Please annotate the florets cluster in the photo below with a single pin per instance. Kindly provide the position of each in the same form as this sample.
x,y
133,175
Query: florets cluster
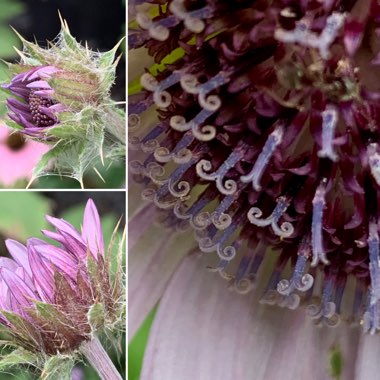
x,y
267,136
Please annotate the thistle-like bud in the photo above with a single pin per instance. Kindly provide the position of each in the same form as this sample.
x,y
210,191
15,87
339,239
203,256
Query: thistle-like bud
x,y
61,95
55,299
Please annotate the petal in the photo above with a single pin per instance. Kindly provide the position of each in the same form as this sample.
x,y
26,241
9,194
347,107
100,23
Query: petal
x,y
135,201
43,72
368,364
40,84
92,229
8,263
76,247
203,331
42,275
45,93
4,296
19,254
152,261
62,225
58,257
21,272
140,222
54,236
17,287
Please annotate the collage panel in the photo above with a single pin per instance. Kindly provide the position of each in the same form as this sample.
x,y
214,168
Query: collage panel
x,y
62,301
254,189
62,94
63,261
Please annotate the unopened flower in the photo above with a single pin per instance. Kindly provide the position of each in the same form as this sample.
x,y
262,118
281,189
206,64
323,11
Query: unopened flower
x,y
33,106
18,156
55,299
61,95
266,144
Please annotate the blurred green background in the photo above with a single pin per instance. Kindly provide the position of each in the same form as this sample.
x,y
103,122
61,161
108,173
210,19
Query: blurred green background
x,y
100,23
22,215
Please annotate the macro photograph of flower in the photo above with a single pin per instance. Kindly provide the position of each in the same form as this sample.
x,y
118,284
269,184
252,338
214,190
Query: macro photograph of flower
x,y
254,190
62,94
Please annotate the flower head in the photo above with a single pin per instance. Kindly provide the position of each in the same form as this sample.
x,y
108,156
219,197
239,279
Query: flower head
x,y
53,299
18,156
34,107
61,95
266,139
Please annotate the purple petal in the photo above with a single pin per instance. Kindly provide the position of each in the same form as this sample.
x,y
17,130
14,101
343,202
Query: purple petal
x,y
19,106
4,296
21,272
26,75
62,225
26,123
19,254
21,292
41,84
8,263
43,72
45,93
15,118
152,262
54,236
92,229
36,241
58,257
42,275
22,92
52,110
76,247
203,331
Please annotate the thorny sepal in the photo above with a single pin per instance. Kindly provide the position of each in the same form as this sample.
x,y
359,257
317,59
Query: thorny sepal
x,y
22,332
103,291
78,83
58,367
19,357
96,316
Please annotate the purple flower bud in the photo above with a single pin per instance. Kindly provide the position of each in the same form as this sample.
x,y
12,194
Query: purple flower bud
x,y
33,107
54,289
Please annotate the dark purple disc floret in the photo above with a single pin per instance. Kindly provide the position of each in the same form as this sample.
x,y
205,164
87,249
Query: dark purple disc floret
x,y
268,139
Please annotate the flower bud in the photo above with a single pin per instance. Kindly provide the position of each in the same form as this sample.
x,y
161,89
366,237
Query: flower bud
x,y
54,299
61,95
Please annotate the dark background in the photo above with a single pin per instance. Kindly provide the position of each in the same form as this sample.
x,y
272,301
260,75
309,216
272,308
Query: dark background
x,y
99,22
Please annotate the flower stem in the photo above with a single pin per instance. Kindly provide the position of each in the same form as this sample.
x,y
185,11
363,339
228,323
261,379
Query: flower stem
x,y
115,123
99,359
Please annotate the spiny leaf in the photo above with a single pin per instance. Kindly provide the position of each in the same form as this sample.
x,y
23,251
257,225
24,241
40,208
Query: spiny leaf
x,y
23,330
19,357
58,367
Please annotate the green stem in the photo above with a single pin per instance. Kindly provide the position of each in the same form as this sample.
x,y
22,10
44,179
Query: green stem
x,y
99,359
